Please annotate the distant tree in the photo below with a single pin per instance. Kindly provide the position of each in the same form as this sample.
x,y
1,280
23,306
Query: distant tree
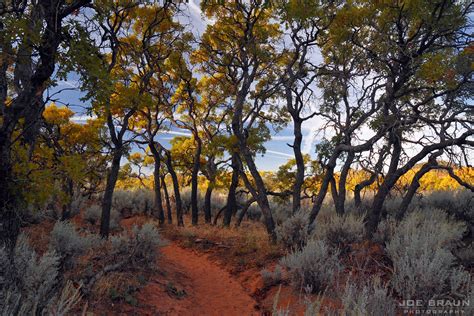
x,y
239,51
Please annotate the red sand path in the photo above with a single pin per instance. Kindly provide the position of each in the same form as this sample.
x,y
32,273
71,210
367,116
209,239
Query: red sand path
x,y
210,290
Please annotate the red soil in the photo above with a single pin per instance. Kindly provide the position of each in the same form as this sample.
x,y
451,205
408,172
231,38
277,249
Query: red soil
x,y
209,289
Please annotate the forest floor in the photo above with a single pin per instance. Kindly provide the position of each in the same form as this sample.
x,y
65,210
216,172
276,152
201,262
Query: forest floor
x,y
201,270
210,270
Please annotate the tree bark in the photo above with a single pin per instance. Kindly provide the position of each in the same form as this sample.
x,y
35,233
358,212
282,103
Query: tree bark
x,y
9,219
207,202
323,190
374,216
231,207
177,195
300,166
69,189
244,211
109,192
157,188
194,181
340,201
167,200
261,193
415,183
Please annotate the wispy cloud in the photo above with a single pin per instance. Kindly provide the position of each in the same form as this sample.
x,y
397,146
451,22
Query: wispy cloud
x,y
69,83
177,133
282,137
82,118
279,153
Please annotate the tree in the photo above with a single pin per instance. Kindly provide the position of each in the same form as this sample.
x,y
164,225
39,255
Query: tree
x,y
305,23
400,45
31,35
238,49
76,152
128,41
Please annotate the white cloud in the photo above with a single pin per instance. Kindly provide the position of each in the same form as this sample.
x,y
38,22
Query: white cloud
x,y
82,118
279,153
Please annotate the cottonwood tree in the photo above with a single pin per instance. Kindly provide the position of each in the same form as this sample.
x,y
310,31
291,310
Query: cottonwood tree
x,y
127,31
166,42
305,22
74,153
238,49
417,51
31,37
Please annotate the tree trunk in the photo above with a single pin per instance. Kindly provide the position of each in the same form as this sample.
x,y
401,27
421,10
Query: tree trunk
x,y
231,207
214,222
157,188
300,166
323,190
340,201
207,202
177,195
69,189
373,176
167,200
415,184
360,186
194,181
261,194
109,192
375,214
244,211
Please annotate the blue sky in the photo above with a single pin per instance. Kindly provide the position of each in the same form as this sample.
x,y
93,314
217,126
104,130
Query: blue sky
x,y
278,152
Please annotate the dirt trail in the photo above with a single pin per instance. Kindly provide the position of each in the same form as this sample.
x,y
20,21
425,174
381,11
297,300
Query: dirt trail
x,y
210,290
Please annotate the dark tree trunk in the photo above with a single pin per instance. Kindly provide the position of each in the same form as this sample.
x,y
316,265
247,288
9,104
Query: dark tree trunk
x,y
340,201
177,195
333,185
69,189
9,220
261,193
415,184
244,211
375,214
207,202
300,166
318,203
109,192
373,176
214,222
194,181
157,188
167,200
360,186
231,207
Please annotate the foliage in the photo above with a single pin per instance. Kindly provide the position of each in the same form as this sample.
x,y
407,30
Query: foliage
x,y
139,246
314,267
30,282
340,231
293,233
420,250
371,299
66,241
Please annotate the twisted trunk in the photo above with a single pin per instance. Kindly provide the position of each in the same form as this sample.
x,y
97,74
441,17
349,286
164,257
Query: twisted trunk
x,y
231,207
109,192
177,195
299,179
167,200
194,180
340,201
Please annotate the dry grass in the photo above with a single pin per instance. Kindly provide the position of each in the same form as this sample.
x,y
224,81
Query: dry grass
x,y
243,248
